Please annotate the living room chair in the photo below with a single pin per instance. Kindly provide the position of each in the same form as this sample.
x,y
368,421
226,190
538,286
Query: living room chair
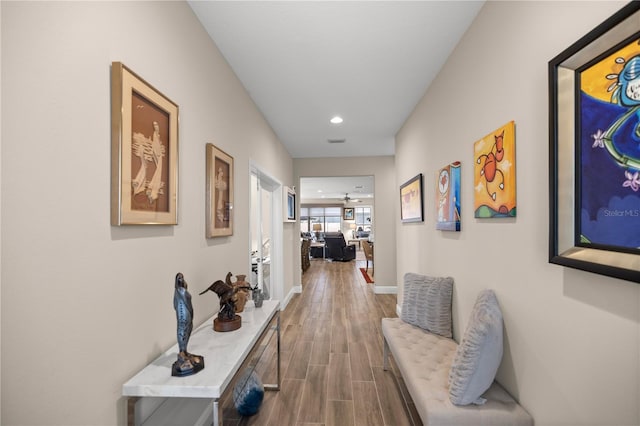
x,y
337,248
368,254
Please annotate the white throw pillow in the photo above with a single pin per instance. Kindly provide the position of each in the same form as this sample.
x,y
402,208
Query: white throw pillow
x,y
479,354
426,303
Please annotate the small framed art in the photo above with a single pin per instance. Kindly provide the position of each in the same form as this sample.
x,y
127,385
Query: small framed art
x,y
144,152
289,199
411,203
448,197
348,213
219,188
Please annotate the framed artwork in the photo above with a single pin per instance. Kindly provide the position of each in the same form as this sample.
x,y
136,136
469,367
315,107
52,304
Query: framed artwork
x,y
219,189
411,204
348,213
289,204
448,197
495,173
594,150
144,152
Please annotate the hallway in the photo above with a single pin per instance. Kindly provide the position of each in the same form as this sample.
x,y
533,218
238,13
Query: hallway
x,y
331,347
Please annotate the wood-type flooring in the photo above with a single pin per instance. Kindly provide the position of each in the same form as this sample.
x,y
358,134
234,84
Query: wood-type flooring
x,y
331,357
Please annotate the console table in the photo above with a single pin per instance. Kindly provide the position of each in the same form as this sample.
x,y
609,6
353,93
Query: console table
x,y
196,399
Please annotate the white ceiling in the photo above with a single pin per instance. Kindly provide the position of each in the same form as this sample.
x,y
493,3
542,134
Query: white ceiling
x,y
303,62
333,189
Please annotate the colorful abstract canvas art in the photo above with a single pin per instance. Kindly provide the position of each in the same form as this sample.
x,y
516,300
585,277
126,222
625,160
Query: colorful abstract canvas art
x,y
608,171
495,173
448,198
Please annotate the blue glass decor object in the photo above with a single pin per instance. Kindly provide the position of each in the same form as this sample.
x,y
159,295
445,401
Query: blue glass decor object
x,y
248,393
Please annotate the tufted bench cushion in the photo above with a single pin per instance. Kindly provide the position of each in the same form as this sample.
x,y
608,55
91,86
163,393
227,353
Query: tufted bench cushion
x,y
424,360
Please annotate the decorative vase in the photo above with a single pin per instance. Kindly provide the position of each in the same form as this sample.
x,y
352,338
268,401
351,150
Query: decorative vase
x,y
258,297
242,294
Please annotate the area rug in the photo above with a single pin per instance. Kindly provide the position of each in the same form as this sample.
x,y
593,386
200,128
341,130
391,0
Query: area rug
x,y
366,276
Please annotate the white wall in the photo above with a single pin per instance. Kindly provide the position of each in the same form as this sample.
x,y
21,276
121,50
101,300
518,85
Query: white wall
x,y
572,349
86,305
0,224
386,198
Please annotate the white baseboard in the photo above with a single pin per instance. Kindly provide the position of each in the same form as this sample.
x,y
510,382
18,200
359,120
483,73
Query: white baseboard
x,y
379,289
287,299
399,310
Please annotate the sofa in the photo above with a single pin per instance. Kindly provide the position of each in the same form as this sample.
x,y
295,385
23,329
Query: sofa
x,y
450,383
336,247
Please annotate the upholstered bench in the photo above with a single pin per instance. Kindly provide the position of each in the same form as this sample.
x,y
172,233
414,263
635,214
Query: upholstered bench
x,y
468,395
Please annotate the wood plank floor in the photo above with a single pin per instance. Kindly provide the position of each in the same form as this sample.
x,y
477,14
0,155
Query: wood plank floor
x,y
331,357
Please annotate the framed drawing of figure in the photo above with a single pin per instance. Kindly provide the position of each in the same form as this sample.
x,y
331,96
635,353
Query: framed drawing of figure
x,y
144,152
219,204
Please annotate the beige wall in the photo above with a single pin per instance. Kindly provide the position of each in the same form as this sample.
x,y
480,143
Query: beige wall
x,y
0,226
572,348
86,305
386,197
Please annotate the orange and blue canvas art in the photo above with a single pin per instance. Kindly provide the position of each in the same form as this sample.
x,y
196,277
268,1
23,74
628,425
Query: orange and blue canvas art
x,y
448,197
495,173
608,151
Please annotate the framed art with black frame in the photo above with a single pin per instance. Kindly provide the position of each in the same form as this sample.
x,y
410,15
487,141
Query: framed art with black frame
x,y
348,213
289,205
594,150
411,201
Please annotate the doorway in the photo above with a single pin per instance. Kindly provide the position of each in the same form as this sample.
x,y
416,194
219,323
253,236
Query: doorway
x,y
265,233
338,204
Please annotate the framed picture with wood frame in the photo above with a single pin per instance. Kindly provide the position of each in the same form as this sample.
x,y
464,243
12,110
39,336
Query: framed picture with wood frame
x,y
219,189
144,152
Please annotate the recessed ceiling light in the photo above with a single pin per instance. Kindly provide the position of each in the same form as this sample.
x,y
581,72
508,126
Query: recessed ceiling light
x,y
336,120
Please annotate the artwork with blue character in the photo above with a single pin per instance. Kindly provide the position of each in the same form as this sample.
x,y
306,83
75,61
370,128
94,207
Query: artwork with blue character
x,y
608,156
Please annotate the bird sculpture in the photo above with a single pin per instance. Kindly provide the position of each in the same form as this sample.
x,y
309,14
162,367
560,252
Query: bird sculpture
x,y
186,363
228,294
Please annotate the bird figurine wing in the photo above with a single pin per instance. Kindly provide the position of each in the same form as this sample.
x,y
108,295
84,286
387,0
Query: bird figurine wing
x,y
222,289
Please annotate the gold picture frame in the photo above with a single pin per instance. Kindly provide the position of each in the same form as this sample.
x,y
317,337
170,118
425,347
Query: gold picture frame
x,y
219,192
144,152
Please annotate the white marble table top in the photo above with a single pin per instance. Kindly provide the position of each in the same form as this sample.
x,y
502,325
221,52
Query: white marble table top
x,y
223,354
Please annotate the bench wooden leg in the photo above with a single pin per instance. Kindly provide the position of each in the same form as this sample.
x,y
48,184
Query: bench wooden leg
x,y
385,355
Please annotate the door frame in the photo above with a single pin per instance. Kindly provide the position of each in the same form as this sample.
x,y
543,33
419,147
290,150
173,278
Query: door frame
x,y
274,186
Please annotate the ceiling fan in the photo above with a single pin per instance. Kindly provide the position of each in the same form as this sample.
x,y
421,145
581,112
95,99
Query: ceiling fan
x,y
346,198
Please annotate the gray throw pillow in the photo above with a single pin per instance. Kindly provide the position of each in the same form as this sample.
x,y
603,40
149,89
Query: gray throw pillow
x,y
479,354
426,303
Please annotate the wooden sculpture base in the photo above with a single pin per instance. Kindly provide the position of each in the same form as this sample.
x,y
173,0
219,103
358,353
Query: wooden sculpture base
x,y
227,325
